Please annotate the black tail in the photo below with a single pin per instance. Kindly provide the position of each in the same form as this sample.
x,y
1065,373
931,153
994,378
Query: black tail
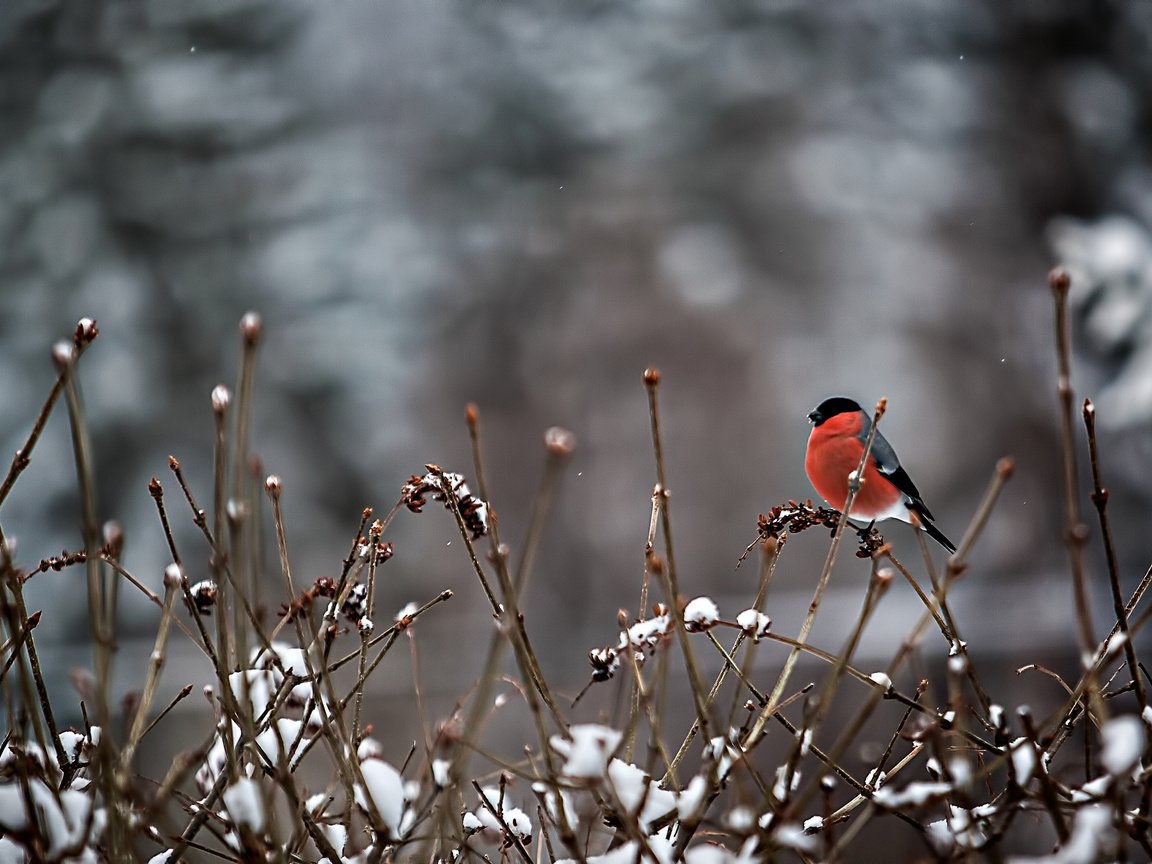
x,y
936,534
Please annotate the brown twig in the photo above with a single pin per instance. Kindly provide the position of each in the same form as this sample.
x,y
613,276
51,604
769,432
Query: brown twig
x,y
1100,501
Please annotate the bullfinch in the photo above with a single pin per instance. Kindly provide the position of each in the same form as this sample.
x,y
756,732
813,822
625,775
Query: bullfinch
x,y
839,430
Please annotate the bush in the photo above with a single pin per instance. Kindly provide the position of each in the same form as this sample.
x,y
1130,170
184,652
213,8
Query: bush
x,y
291,770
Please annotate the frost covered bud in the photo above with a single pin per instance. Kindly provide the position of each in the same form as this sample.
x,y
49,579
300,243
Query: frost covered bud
x,y
86,331
272,485
63,354
251,327
221,398
754,623
236,509
559,441
605,663
173,576
204,596
113,539
700,614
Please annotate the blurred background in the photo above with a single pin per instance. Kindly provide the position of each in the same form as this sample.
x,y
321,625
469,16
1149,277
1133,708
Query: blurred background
x,y
523,205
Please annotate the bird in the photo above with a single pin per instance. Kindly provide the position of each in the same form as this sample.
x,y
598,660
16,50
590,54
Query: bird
x,y
839,430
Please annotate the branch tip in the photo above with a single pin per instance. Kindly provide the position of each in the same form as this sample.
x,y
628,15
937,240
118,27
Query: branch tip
x,y
251,328
1059,280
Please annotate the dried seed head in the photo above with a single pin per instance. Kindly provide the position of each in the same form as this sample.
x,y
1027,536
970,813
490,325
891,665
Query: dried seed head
x,y
86,331
221,398
204,595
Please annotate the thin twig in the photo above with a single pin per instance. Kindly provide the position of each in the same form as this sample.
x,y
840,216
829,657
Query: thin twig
x,y
671,582
1100,500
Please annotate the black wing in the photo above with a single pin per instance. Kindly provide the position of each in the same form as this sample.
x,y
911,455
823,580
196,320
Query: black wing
x,y
889,466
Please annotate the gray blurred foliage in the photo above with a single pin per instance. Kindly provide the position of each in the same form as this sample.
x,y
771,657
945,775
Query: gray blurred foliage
x,y
523,204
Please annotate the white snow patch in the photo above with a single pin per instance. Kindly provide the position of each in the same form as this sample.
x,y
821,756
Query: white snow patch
x,y
914,794
588,752
754,623
882,678
647,633
701,614
692,797
1092,834
635,788
1023,760
385,789
1123,743
792,836
243,802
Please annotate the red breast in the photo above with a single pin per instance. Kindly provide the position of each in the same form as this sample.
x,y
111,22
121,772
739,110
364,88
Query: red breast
x,y
834,450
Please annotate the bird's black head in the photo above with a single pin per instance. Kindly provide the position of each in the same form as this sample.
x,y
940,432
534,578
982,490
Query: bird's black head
x,y
829,408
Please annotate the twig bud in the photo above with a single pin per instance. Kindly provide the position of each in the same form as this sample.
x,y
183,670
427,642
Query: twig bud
x,y
221,398
1005,466
236,510
63,355
472,415
272,485
559,441
113,534
651,376
1059,280
173,576
251,327
86,331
